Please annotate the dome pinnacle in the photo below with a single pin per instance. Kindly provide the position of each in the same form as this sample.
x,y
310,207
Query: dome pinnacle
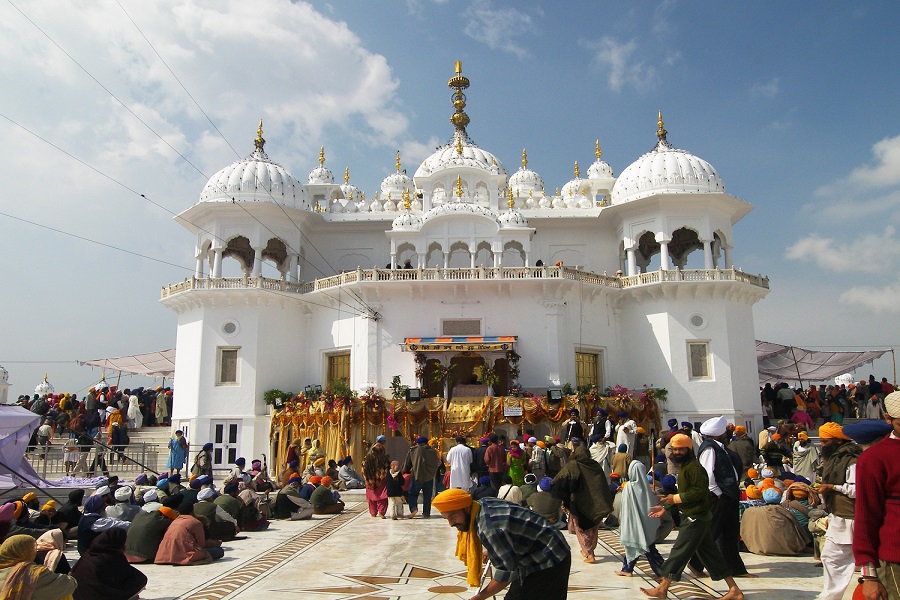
x,y
346,174
458,82
321,156
661,132
577,170
397,161
597,152
259,142
524,158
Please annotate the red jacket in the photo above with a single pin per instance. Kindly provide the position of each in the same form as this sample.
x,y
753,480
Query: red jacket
x,y
495,459
877,511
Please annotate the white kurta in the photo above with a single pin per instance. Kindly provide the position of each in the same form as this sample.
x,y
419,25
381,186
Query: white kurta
x,y
460,459
625,434
134,412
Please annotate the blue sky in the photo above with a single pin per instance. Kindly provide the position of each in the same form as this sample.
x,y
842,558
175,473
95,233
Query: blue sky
x,y
793,103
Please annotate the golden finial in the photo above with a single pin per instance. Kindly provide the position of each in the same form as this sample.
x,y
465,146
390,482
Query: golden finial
x,y
259,142
459,191
459,148
661,132
397,161
557,192
577,171
531,193
524,158
376,196
597,152
389,196
510,203
363,196
406,203
321,156
45,377
458,82
346,174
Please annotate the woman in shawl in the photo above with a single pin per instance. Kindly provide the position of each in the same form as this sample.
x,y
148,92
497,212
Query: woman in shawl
x,y
134,412
375,468
315,452
50,548
638,532
178,449
104,572
516,460
23,579
584,491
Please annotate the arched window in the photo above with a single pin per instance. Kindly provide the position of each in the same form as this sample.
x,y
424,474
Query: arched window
x,y
684,242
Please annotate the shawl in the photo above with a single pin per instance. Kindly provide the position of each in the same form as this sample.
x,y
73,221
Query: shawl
x,y
583,489
18,552
637,530
53,542
469,550
104,572
375,467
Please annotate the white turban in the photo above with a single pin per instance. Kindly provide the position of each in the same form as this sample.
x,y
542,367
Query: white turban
x,y
151,496
206,494
123,494
892,404
714,427
102,490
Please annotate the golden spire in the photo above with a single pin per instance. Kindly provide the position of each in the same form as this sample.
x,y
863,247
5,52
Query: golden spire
x,y
597,152
259,142
397,161
524,158
557,192
661,132
459,145
510,203
376,196
577,170
459,191
321,156
458,82
363,196
406,203
346,174
45,378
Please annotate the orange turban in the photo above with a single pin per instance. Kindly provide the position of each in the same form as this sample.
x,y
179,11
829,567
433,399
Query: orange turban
x,y
832,430
541,444
326,481
740,430
768,482
776,437
315,479
752,473
20,506
679,440
803,436
452,499
753,492
319,461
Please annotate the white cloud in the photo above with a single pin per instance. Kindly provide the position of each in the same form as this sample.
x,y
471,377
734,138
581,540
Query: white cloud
x,y
623,63
769,89
869,253
498,28
886,170
873,298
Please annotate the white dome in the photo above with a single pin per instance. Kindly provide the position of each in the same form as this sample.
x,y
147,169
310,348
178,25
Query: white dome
x,y
44,388
599,170
525,180
351,192
451,208
255,178
575,188
320,174
395,184
407,221
448,156
666,170
512,219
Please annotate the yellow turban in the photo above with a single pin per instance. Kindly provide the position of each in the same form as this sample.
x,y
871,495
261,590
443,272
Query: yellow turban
x,y
753,492
832,430
51,504
29,497
679,440
452,499
319,461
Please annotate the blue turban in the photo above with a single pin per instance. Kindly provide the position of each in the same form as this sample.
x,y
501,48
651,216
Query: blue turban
x,y
195,483
241,461
380,439
162,483
140,479
484,480
601,412
668,482
208,446
622,415
545,484
596,438
204,480
94,504
687,424
673,424
294,464
771,496
176,478
622,448
421,440
866,432
801,479
231,487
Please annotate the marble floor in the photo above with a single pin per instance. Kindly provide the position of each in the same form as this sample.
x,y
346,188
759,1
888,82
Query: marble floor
x,y
355,556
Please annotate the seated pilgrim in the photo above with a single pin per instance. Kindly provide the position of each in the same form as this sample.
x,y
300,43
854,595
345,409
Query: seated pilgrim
x,y
543,503
324,500
254,513
484,489
289,504
104,571
350,476
772,529
124,509
219,524
146,533
94,521
184,542
229,500
24,579
509,492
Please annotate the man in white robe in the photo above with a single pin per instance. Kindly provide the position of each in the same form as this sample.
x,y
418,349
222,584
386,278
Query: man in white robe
x,y
626,432
460,459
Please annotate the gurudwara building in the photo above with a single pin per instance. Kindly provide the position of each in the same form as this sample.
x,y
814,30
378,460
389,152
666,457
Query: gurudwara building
x,y
461,266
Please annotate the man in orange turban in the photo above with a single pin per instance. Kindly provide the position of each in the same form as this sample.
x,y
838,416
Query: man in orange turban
x,y
527,553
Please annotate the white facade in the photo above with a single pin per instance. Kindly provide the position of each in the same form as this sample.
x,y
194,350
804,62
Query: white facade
x,y
601,269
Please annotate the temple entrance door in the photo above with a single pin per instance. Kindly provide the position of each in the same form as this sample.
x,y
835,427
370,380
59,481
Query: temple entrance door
x,y
226,440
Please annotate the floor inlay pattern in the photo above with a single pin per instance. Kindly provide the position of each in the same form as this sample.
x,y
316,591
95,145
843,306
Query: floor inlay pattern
x,y
234,580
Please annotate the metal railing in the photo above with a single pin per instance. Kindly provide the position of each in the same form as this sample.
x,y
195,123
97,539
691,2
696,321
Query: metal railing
x,y
132,460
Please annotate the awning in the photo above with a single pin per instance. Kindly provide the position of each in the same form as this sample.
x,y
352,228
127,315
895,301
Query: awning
x,y
461,343
776,362
152,364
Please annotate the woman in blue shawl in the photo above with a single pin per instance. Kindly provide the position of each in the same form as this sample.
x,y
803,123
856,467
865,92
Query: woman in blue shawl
x,y
639,532
178,452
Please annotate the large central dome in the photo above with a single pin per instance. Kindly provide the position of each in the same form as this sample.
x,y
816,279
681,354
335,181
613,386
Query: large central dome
x,y
449,155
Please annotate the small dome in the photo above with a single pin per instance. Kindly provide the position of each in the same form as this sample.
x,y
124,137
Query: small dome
x,y
599,170
450,208
575,188
44,388
407,221
525,180
253,179
666,170
449,155
395,184
320,175
512,219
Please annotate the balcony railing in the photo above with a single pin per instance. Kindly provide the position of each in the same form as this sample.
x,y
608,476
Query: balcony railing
x,y
466,274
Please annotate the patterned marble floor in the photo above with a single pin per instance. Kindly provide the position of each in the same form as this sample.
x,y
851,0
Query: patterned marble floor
x,y
355,557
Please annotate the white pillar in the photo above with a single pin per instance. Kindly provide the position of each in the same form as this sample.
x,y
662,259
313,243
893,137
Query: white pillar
x,y
632,264
471,259
446,260
217,262
393,260
257,262
728,263
198,270
664,255
293,276
707,255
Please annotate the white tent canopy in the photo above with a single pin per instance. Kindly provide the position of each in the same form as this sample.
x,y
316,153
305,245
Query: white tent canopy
x,y
16,426
152,364
777,362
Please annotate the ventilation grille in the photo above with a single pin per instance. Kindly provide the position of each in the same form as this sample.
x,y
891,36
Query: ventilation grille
x,y
697,321
461,327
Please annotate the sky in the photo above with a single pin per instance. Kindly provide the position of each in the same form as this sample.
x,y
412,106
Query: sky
x,y
114,114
